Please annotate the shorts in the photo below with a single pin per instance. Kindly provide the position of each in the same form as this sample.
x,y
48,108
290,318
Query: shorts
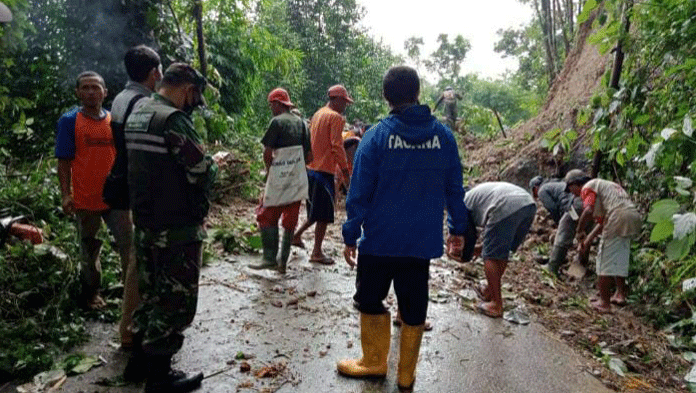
x,y
613,256
504,236
320,205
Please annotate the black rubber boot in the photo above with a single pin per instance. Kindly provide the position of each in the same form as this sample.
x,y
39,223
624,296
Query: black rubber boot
x,y
557,259
137,366
163,379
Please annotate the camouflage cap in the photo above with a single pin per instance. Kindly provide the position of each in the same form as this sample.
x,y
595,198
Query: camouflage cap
x,y
178,73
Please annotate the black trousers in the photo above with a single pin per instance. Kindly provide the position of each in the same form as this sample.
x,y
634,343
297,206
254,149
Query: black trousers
x,y
410,276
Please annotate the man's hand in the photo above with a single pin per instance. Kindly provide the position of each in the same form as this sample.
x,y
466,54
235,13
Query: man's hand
x,y
349,253
583,247
68,204
346,177
455,245
263,193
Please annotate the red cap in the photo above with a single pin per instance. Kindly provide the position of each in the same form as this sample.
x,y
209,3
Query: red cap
x,y
280,95
339,91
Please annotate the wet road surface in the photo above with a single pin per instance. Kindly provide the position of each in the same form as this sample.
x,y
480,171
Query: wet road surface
x,y
291,330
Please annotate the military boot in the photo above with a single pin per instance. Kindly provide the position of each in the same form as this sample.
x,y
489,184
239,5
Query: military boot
x,y
285,251
409,349
375,337
137,366
269,240
557,258
162,379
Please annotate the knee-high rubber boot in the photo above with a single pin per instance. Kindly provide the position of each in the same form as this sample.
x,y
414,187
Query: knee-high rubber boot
x,y
375,337
163,379
409,349
269,240
285,245
557,258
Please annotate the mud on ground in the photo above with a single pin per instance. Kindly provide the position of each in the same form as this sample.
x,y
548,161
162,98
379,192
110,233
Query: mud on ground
x,y
560,305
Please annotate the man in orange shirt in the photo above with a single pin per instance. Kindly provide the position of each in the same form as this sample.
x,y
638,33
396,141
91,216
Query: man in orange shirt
x,y
85,151
327,149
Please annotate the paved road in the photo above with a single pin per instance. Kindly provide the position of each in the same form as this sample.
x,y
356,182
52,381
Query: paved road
x,y
300,325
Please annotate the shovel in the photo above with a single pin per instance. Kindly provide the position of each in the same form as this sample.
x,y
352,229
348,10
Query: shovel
x,y
578,267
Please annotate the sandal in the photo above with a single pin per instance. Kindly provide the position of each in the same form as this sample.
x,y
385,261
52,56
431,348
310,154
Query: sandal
x,y
298,243
618,301
97,303
598,307
324,260
482,309
480,290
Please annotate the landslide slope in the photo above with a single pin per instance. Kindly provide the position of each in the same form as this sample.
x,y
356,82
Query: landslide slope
x,y
520,156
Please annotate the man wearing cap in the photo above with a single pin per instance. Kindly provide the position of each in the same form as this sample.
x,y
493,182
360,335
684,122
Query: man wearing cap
x,y
287,145
449,97
144,71
558,201
169,177
326,128
618,221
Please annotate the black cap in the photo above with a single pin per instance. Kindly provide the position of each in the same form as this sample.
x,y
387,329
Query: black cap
x,y
179,73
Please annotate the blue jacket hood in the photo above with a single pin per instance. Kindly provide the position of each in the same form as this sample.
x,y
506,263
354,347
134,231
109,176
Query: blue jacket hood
x,y
415,124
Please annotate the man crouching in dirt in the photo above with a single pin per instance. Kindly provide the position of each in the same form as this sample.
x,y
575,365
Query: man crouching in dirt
x,y
559,202
619,221
287,148
406,170
506,213
169,176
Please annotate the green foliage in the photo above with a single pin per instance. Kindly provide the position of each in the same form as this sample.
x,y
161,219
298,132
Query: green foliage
x,y
668,223
38,284
481,97
644,130
237,237
447,59
559,142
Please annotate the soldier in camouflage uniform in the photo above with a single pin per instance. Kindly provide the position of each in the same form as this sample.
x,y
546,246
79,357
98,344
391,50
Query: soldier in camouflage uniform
x,y
169,177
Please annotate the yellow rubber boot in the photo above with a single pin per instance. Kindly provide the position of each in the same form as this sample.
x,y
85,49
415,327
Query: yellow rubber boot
x,y
408,355
375,337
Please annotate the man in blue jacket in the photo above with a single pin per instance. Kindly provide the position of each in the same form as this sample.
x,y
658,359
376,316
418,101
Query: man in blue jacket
x,y
406,171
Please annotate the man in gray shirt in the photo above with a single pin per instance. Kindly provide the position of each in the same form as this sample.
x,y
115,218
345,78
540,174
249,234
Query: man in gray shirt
x,y
505,212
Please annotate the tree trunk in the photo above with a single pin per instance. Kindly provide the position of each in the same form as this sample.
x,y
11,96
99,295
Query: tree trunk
x,y
615,73
543,16
564,27
198,14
